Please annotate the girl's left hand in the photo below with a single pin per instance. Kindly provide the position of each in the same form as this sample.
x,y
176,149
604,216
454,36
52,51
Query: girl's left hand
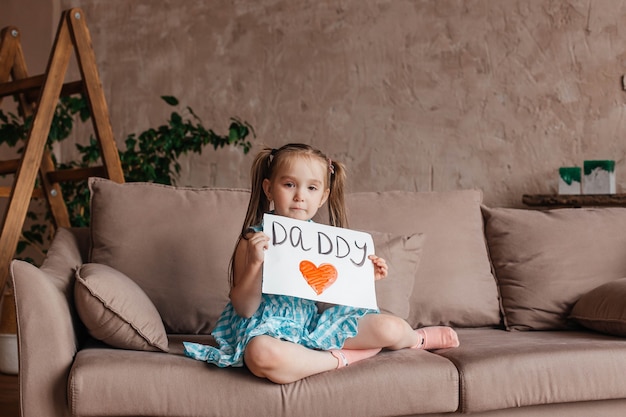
x,y
380,267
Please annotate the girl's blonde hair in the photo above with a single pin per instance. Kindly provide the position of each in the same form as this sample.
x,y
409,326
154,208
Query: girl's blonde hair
x,y
267,163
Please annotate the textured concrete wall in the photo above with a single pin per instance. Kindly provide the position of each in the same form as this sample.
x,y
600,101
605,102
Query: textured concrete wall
x,y
412,95
36,20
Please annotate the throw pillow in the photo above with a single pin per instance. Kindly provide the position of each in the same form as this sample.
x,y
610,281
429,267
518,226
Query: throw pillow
x,y
174,242
545,261
116,311
402,254
603,309
453,284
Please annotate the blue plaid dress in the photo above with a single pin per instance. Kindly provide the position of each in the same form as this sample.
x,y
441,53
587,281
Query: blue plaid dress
x,y
288,318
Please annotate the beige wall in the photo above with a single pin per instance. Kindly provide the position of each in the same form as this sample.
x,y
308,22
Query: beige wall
x,y
412,95
36,21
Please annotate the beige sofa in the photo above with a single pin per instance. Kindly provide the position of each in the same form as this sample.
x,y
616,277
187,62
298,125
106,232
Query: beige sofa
x,y
100,324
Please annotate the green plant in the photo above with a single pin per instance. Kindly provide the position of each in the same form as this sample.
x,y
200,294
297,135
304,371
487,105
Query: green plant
x,y
151,156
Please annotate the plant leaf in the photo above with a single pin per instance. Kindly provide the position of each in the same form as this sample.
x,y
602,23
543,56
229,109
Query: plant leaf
x,y
172,101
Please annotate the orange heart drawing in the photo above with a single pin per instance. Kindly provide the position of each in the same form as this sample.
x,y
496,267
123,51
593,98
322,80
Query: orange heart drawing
x,y
319,278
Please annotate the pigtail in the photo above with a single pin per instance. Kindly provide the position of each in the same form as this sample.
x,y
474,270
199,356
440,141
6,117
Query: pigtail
x,y
336,201
258,205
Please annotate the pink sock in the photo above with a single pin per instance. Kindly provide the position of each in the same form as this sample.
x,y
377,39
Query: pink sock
x,y
436,337
347,357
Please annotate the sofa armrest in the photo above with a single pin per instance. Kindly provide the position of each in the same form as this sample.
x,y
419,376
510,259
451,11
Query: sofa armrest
x,y
48,328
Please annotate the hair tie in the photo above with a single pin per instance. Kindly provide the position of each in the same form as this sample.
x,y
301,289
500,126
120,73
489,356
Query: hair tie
x,y
331,167
271,157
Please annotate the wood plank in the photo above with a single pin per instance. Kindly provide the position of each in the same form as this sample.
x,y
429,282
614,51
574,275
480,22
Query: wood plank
x,y
574,200
5,192
76,174
34,84
53,192
9,36
95,95
19,71
9,166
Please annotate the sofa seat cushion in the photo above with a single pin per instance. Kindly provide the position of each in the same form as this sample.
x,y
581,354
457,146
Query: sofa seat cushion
x,y
501,369
128,382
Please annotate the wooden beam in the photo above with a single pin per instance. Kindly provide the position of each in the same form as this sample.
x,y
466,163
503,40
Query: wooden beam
x,y
6,192
18,71
574,200
9,166
95,95
9,37
34,83
75,174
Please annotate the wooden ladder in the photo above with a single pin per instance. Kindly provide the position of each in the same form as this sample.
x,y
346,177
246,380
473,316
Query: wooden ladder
x,y
38,96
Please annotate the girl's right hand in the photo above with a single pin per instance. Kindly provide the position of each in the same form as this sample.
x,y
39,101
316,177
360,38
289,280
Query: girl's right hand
x,y
258,243
245,293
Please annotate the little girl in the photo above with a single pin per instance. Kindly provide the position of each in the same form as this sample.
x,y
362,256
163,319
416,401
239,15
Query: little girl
x,y
285,338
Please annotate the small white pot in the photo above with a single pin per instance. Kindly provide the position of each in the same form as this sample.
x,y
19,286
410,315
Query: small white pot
x,y
8,354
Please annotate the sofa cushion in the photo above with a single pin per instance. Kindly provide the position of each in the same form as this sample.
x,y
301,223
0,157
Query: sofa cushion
x,y
70,246
603,309
502,370
115,310
453,284
175,243
130,383
402,254
545,261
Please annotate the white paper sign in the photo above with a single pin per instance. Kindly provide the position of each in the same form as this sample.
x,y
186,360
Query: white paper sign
x,y
318,262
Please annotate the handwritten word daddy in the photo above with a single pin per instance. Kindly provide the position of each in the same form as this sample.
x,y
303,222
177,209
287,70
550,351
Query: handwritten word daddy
x,y
334,245
318,262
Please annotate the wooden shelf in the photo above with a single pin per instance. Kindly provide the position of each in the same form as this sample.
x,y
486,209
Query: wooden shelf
x,y
576,200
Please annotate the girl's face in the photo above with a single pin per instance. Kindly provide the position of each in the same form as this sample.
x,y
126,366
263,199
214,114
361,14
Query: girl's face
x,y
298,187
